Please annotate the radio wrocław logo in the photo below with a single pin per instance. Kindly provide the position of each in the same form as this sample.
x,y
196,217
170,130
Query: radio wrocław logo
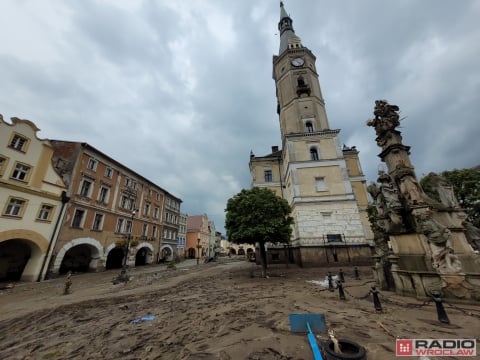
x,y
441,347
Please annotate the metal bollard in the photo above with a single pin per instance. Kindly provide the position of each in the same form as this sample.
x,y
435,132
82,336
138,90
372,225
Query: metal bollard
x,y
330,283
342,275
341,293
357,274
376,300
442,315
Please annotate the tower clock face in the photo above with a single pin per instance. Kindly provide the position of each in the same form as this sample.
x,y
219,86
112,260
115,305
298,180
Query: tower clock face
x,y
298,61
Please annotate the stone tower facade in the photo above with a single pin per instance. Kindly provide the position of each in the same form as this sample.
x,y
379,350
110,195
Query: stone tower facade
x,y
322,181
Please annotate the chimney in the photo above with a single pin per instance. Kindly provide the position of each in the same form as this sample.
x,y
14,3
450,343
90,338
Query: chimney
x,y
274,149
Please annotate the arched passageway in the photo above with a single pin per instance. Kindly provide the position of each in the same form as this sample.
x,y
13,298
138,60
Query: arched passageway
x,y
241,252
115,258
191,253
233,251
141,257
14,256
166,254
77,259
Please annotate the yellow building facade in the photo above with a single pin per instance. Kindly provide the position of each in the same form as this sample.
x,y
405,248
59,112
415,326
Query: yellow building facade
x,y
32,202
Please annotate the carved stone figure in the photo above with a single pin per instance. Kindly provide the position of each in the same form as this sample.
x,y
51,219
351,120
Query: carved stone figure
x,y
411,190
386,117
376,194
440,242
389,191
444,189
472,234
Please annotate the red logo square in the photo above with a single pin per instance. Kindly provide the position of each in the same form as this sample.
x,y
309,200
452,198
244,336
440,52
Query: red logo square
x,y
404,347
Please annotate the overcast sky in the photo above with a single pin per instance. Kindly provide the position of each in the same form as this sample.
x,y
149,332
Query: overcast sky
x,y
181,91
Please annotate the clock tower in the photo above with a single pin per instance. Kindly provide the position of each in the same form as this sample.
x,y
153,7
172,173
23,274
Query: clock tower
x,y
322,181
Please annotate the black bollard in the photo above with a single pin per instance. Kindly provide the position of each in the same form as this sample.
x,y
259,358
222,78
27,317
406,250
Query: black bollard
x,y
357,274
342,275
330,283
341,293
376,300
442,315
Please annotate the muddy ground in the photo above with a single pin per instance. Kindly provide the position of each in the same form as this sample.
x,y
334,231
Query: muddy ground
x,y
221,310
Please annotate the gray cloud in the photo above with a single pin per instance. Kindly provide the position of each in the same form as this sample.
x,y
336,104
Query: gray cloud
x,y
182,91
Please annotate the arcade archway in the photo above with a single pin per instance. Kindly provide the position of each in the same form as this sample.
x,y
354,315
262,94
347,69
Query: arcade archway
x,y
115,258
15,256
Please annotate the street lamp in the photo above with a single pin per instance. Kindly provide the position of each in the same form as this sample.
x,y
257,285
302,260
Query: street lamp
x,y
198,251
123,277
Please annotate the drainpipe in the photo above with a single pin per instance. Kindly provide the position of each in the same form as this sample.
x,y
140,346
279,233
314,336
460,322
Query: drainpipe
x,y
51,245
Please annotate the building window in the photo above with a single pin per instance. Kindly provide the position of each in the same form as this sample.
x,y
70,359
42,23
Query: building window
x,y
155,212
78,218
119,227
109,172
132,204
127,203
154,232
334,237
103,195
86,188
15,207
313,154
19,143
46,212
3,165
128,227
20,172
92,164
309,127
97,222
144,230
158,197
146,210
320,184
124,202
268,175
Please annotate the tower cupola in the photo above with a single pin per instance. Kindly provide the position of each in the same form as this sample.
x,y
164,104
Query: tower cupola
x,y
285,26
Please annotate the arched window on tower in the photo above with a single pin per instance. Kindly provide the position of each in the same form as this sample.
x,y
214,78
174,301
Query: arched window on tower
x,y
308,127
302,86
313,154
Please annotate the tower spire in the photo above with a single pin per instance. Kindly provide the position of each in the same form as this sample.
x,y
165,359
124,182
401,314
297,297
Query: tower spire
x,y
286,29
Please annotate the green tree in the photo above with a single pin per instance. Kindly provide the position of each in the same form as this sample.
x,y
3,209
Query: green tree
x,y
258,216
466,185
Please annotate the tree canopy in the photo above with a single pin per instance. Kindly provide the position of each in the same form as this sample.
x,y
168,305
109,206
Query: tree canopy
x,y
258,215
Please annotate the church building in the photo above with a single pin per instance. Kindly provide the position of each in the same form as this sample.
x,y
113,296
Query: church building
x,y
322,180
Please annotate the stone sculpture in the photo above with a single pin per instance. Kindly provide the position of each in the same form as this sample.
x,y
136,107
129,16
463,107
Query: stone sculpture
x,y
440,242
442,190
472,234
386,117
389,191
411,190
